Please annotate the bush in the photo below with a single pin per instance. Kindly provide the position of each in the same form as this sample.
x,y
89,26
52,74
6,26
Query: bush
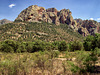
x,y
29,47
91,60
97,37
73,67
76,45
89,43
62,46
56,44
39,46
21,48
6,48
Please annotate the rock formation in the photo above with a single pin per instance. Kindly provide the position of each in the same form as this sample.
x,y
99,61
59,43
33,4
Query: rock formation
x,y
87,27
35,13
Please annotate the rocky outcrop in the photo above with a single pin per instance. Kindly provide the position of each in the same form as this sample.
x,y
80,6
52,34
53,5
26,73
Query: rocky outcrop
x,y
35,13
83,31
87,27
5,21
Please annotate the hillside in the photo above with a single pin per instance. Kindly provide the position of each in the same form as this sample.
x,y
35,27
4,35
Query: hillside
x,y
29,31
36,13
5,21
38,23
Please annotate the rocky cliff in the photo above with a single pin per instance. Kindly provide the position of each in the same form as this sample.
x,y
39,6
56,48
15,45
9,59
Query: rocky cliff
x,y
87,27
35,13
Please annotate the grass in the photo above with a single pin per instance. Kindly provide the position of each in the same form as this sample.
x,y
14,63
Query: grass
x,y
40,63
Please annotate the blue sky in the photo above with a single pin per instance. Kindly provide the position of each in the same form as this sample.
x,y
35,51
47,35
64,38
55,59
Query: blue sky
x,y
84,9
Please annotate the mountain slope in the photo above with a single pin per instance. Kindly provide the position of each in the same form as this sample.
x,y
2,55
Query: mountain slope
x,y
36,13
5,21
38,23
29,31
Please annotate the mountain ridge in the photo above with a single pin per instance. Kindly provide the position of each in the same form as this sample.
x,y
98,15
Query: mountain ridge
x,y
28,26
5,21
36,13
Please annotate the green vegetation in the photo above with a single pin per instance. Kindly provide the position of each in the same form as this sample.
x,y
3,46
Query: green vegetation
x,y
12,46
90,43
46,53
43,48
28,31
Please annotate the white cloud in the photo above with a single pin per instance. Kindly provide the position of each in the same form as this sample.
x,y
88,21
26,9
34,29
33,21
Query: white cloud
x,y
91,18
98,19
11,5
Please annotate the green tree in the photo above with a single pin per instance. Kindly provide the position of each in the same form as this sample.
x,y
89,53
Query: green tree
x,y
6,48
62,46
76,45
39,46
21,48
89,43
97,37
56,44
90,60
29,46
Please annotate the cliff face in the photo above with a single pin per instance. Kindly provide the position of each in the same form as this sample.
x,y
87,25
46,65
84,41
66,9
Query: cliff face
x,y
87,27
35,13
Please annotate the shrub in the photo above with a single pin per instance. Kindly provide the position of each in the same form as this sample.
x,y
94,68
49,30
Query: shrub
x,y
73,67
76,45
62,46
56,44
21,48
39,46
6,48
91,60
89,43
29,47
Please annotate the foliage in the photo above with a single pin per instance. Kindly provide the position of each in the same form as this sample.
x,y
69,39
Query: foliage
x,y
73,67
91,42
37,45
29,31
76,45
91,60
62,46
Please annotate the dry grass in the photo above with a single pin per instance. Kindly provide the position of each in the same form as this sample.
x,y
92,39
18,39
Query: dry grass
x,y
38,63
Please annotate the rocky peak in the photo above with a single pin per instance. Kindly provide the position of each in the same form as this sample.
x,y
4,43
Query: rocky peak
x,y
66,11
51,10
35,13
